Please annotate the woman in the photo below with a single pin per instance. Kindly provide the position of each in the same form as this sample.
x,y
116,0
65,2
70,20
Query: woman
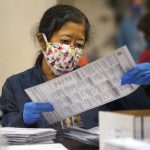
x,y
62,28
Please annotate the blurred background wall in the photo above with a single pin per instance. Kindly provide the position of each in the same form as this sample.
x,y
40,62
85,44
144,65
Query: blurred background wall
x,y
18,20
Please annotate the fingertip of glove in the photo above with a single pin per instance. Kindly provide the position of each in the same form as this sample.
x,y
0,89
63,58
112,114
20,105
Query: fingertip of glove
x,y
51,107
123,82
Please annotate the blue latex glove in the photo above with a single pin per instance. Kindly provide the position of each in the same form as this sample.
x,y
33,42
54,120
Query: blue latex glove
x,y
140,74
33,111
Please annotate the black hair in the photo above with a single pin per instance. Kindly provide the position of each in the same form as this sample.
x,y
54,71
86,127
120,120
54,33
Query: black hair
x,y
55,17
144,26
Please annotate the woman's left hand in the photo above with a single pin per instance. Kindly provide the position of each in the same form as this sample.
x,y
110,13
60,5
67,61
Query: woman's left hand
x,y
140,75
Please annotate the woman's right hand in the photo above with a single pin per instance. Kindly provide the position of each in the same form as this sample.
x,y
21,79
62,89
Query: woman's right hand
x,y
33,111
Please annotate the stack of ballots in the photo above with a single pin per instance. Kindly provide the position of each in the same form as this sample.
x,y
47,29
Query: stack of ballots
x,y
19,136
90,137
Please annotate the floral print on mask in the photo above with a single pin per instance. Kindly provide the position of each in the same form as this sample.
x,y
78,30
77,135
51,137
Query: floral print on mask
x,y
62,58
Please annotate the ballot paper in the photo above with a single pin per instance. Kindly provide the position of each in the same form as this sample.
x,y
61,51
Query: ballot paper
x,y
57,146
18,136
92,85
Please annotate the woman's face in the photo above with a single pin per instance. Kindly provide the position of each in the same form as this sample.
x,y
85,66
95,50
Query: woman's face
x,y
70,33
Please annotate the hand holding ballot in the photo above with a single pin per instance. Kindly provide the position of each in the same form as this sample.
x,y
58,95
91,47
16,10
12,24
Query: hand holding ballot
x,y
88,87
33,111
140,74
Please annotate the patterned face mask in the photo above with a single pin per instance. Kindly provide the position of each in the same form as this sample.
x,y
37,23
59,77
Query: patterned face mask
x,y
61,58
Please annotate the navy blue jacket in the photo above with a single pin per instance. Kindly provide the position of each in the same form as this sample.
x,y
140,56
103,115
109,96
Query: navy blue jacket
x,y
13,99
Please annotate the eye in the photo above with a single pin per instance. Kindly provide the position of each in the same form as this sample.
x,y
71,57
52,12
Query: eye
x,y
79,45
64,41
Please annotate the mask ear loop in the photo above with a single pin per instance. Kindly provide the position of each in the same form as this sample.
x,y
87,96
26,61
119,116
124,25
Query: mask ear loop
x,y
45,38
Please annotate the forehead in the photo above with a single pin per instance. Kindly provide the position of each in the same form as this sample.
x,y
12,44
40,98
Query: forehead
x,y
72,29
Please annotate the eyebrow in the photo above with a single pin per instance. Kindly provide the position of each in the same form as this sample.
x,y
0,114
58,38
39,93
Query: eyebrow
x,y
81,39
